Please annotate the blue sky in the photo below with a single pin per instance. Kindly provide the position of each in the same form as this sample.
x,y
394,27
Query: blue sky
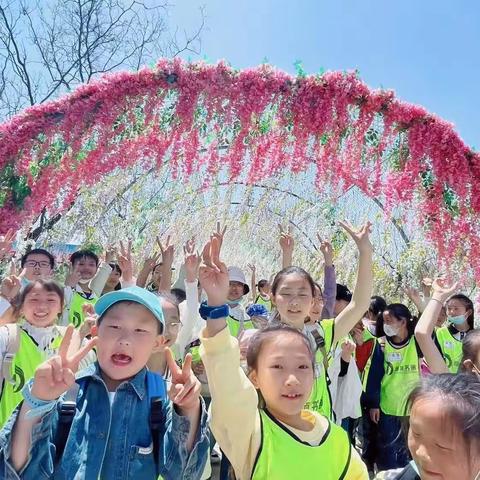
x,y
427,51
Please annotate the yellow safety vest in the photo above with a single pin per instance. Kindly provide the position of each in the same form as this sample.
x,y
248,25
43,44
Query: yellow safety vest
x,y
75,314
320,399
234,326
283,456
450,347
402,374
26,360
261,301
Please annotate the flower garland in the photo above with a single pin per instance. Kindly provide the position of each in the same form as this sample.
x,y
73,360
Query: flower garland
x,y
201,117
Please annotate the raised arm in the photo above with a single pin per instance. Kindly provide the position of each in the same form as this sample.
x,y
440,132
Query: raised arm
x,y
364,285
253,282
167,262
287,245
426,325
329,279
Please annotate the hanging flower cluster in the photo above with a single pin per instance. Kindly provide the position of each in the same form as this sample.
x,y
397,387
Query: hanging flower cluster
x,y
255,122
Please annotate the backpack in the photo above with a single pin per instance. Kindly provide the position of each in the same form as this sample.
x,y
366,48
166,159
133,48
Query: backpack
x,y
157,395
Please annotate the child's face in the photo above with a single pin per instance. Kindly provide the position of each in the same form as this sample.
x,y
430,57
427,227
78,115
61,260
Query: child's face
x,y
127,336
294,300
284,374
438,449
235,291
317,307
37,266
114,278
172,322
87,267
41,307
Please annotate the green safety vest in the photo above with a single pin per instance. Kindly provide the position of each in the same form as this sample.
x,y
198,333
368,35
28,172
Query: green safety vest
x,y
76,315
234,326
282,456
401,375
320,399
24,364
261,301
450,347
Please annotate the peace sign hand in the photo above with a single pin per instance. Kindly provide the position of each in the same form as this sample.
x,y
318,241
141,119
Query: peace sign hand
x,y
55,376
192,261
167,251
185,389
360,236
213,274
286,239
125,261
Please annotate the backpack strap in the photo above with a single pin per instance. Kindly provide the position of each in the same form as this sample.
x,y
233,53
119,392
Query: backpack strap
x,y
320,344
67,409
13,344
157,395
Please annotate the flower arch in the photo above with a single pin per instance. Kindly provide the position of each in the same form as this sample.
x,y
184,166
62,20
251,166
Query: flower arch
x,y
255,123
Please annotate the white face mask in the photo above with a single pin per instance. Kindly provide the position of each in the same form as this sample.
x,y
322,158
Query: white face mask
x,y
390,331
371,327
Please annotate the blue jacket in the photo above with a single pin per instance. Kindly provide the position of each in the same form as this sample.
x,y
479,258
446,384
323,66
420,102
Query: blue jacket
x,y
110,442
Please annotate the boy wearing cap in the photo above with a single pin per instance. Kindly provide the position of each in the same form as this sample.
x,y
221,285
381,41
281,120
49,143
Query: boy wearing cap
x,y
110,436
238,320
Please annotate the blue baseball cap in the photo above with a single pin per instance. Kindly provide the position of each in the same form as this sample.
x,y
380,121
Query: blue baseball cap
x,y
131,294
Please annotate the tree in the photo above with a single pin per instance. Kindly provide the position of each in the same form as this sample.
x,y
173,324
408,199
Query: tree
x,y
48,47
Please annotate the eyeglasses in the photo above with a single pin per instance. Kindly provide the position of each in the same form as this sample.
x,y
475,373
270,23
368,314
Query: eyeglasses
x,y
33,264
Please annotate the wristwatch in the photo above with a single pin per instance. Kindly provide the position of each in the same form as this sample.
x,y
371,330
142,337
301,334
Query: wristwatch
x,y
212,313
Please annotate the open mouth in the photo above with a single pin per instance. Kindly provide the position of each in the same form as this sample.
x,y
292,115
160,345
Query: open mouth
x,y
41,316
292,396
120,359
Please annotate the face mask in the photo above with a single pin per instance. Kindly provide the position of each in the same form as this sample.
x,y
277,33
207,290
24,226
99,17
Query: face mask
x,y
458,320
371,327
390,331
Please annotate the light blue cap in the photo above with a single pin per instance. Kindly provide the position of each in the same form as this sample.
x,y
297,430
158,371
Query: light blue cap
x,y
131,294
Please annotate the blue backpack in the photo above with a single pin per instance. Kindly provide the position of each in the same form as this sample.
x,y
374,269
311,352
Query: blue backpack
x,y
157,395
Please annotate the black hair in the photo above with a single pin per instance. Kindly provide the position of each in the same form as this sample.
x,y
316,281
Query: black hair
x,y
343,293
38,251
259,340
262,283
81,254
116,267
129,302
178,294
470,348
292,271
468,304
376,308
48,285
317,285
461,398
402,312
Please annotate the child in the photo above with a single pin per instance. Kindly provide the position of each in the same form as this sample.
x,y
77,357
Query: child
x,y
33,340
393,376
467,359
238,319
293,293
84,284
111,436
444,433
280,440
263,286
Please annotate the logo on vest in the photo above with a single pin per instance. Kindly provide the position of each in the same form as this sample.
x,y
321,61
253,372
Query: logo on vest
x,y
394,357
18,379
448,345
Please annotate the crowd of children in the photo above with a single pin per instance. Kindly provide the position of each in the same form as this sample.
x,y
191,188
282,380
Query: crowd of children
x,y
114,373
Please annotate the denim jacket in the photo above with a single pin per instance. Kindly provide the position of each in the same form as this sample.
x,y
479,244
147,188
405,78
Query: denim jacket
x,y
110,442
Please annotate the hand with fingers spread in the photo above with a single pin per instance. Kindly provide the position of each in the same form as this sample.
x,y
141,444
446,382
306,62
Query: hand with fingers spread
x,y
12,284
327,251
213,274
73,277
192,261
185,389
167,250
252,267
90,320
360,236
220,233
125,261
6,242
55,376
110,253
